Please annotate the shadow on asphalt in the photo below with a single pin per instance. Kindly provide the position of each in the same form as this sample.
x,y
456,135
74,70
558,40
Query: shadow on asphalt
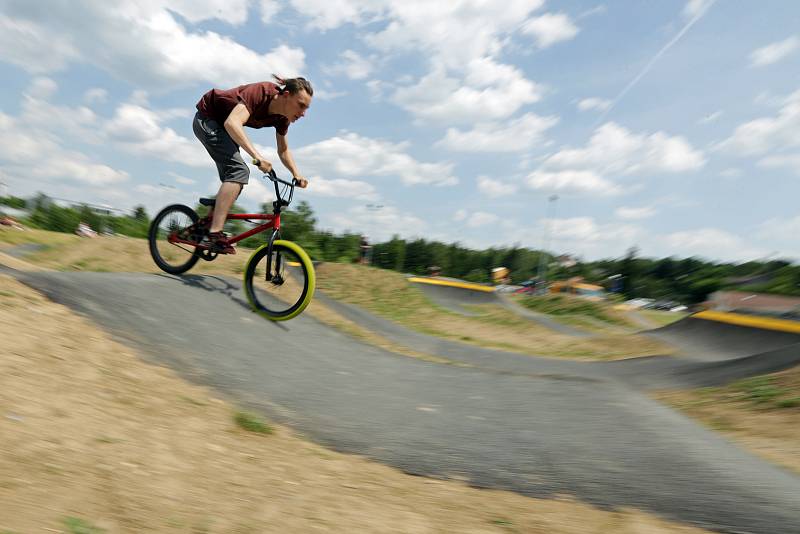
x,y
221,286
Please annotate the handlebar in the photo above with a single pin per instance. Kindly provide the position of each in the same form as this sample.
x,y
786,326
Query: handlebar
x,y
274,178
275,181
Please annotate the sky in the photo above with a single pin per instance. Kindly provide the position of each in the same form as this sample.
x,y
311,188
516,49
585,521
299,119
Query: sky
x,y
586,127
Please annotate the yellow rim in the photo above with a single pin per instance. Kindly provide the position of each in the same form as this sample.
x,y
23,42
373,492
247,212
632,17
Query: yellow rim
x,y
754,321
450,283
311,280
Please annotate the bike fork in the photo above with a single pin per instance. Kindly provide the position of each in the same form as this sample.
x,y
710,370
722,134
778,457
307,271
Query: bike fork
x,y
268,275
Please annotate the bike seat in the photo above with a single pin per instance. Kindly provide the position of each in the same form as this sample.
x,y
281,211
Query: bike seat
x,y
208,201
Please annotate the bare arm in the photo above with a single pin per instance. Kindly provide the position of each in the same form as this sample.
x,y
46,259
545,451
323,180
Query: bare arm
x,y
286,158
234,125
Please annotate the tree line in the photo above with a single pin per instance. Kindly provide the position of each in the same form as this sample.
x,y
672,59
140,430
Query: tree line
x,y
686,280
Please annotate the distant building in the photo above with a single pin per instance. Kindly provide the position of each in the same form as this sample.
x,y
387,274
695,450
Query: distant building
x,y
567,261
501,275
749,302
577,286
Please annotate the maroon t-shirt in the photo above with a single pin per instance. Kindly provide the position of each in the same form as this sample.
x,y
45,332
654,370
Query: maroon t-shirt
x,y
217,104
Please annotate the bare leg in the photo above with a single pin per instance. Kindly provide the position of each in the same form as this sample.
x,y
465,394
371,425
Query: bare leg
x,y
227,194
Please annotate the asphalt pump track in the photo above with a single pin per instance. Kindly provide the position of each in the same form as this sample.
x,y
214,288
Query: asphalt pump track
x,y
538,426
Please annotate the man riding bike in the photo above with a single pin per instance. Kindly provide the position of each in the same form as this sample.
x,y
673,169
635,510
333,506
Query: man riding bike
x,y
219,125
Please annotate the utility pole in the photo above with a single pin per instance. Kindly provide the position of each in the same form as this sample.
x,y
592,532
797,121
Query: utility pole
x,y
546,242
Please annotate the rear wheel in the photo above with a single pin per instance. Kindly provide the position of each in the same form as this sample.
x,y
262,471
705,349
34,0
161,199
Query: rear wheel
x,y
279,284
174,258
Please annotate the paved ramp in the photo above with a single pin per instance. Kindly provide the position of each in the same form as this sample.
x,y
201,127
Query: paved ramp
x,y
585,430
713,336
454,295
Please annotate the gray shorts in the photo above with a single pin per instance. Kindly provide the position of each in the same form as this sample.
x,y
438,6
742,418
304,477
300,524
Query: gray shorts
x,y
222,149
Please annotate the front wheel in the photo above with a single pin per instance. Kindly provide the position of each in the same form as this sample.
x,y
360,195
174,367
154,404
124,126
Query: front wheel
x,y
170,256
279,282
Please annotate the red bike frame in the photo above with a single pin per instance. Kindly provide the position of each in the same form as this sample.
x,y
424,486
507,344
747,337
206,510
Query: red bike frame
x,y
273,221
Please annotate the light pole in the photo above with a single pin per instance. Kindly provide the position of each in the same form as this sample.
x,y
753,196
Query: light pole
x,y
551,200
366,248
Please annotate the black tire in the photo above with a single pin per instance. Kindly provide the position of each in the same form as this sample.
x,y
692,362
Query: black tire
x,y
172,258
293,291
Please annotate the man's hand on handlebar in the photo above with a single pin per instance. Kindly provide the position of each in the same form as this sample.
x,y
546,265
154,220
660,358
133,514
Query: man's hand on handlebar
x,y
263,165
301,182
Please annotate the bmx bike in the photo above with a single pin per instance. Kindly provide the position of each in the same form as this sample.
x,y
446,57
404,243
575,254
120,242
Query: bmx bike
x,y
279,277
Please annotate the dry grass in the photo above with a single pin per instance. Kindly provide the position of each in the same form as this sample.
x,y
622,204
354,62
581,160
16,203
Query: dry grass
x,y
388,294
761,413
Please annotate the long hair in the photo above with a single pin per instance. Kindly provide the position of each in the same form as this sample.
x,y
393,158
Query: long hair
x,y
294,85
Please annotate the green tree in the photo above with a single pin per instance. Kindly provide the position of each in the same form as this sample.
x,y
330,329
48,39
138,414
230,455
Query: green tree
x,y
13,202
140,214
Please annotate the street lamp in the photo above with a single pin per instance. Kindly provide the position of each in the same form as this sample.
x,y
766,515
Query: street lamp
x,y
545,239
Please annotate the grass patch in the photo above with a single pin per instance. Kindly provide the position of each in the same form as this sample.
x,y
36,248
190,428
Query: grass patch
x,y
661,318
389,295
760,390
251,423
568,307
75,525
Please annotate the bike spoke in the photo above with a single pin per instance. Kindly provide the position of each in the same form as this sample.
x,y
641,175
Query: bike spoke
x,y
172,257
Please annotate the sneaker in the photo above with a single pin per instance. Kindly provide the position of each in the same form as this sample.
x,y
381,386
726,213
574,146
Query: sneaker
x,y
217,242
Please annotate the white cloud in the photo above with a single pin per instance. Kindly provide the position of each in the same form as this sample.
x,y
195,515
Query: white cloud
x,y
695,8
766,134
600,104
574,231
38,112
330,14
95,95
33,47
163,53
269,8
22,149
183,180
474,219
774,52
550,28
461,42
451,33
614,149
377,224
780,234
42,88
139,130
710,243
517,135
631,213
490,91
351,155
37,133
342,188
789,161
571,181
352,65
494,187
231,11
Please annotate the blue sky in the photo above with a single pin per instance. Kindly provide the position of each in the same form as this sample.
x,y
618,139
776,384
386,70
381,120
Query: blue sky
x,y
672,126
